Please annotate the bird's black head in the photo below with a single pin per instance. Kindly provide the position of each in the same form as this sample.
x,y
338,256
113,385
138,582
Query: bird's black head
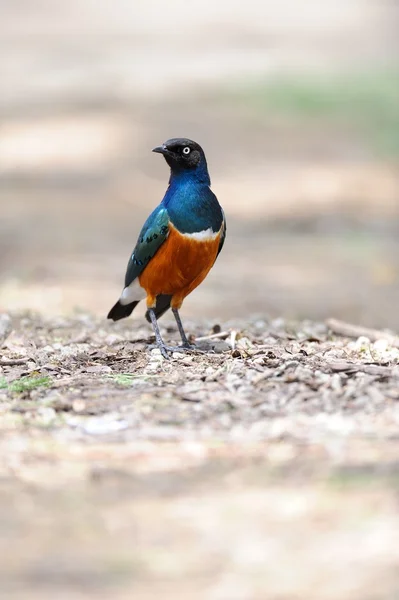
x,y
184,155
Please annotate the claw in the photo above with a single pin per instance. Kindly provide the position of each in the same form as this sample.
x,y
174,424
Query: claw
x,y
164,352
193,348
164,349
186,348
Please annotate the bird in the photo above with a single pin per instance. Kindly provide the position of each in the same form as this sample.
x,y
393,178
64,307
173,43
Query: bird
x,y
178,244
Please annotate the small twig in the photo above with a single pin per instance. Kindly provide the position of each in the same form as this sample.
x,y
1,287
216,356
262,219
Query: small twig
x,y
213,336
233,337
350,367
355,331
8,362
186,398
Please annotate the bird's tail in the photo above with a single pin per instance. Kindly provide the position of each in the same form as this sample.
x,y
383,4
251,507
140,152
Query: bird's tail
x,y
120,311
162,305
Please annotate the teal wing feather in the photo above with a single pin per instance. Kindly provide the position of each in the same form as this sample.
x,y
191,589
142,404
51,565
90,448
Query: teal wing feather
x,y
153,234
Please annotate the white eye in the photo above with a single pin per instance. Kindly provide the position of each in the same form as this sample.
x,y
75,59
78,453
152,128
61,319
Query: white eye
x,y
186,150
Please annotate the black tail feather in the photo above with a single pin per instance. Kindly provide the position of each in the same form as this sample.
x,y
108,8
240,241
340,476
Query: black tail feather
x,y
162,305
120,311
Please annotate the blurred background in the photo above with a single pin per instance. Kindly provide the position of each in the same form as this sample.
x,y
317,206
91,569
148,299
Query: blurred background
x,y
295,103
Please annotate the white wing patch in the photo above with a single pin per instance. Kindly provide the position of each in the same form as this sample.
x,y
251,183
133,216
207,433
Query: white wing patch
x,y
207,235
133,293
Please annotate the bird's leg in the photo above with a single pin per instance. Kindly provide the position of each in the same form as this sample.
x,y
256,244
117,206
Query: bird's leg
x,y
186,343
158,337
164,349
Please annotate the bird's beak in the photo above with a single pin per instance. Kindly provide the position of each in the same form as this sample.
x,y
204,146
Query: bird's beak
x,y
160,149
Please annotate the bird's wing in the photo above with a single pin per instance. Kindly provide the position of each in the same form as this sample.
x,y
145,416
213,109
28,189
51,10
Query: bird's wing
x,y
153,234
222,235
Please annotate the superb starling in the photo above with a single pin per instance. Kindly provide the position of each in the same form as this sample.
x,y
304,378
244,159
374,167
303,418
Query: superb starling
x,y
178,243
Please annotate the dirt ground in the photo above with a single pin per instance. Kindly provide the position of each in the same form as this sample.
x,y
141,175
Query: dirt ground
x,y
265,467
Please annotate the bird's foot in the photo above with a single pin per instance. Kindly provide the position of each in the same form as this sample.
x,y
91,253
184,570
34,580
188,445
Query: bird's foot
x,y
164,349
184,348
193,348
187,346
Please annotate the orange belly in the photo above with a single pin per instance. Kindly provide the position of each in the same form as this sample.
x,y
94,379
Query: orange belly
x,y
178,267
